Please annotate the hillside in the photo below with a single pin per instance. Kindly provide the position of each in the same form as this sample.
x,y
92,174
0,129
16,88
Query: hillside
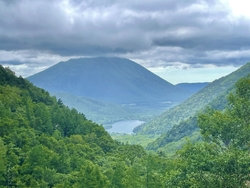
x,y
104,113
193,104
189,126
192,87
43,143
116,80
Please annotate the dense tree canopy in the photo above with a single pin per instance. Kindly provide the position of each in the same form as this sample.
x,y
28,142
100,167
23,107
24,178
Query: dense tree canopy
x,y
223,158
43,143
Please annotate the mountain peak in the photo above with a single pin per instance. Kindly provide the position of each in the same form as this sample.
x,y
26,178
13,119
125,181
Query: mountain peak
x,y
109,79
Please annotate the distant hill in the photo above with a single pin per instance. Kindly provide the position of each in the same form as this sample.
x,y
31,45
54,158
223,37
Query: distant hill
x,y
195,103
192,87
108,79
100,112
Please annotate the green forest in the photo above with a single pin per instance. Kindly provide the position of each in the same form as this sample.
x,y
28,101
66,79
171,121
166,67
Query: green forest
x,y
44,143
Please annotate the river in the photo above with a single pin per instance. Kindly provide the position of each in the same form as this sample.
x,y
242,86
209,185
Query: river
x,y
126,126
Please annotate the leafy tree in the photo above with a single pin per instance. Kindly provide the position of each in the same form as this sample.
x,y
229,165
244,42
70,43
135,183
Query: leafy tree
x,y
91,176
230,127
3,161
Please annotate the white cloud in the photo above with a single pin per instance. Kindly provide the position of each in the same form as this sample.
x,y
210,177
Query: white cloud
x,y
187,74
239,8
28,62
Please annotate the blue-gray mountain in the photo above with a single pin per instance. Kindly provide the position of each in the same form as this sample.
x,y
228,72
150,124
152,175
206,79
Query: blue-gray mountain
x,y
108,79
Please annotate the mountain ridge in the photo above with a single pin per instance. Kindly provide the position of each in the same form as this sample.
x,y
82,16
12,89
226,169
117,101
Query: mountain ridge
x,y
107,79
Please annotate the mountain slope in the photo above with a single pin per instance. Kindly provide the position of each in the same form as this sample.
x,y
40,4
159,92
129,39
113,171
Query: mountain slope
x,y
100,112
192,87
108,79
193,104
189,126
45,144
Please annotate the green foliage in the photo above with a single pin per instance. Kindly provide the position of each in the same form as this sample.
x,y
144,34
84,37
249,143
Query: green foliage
x,y
223,159
3,161
206,165
231,126
43,143
170,148
178,132
142,140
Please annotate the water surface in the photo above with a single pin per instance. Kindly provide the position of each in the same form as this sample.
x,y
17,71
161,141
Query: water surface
x,y
126,126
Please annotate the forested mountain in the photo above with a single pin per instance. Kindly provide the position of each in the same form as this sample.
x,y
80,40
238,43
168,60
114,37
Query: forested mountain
x,y
98,111
221,159
189,126
108,79
43,143
194,104
192,87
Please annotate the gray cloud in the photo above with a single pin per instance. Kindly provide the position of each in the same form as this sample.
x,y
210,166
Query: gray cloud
x,y
156,33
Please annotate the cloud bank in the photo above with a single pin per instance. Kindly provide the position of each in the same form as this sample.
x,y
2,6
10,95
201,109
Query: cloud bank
x,y
160,33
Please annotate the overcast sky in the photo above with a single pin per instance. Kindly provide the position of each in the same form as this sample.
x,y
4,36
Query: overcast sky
x,y
182,41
